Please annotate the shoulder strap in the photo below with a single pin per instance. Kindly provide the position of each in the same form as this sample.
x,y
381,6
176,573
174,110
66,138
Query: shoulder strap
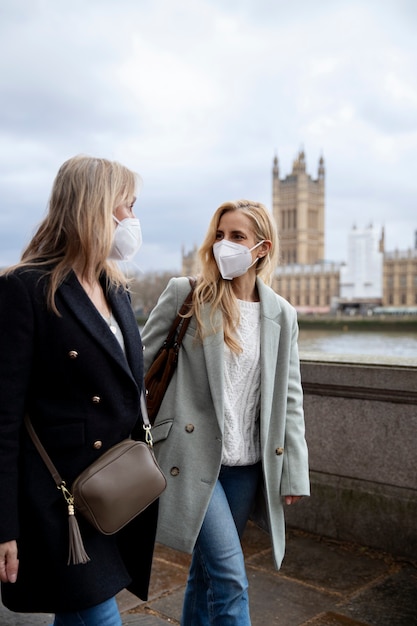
x,y
77,553
146,422
46,459
184,309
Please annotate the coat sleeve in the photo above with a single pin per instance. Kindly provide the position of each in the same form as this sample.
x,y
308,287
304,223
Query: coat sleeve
x,y
295,472
16,341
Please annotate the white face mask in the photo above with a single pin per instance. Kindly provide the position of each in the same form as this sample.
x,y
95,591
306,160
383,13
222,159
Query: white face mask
x,y
233,259
127,239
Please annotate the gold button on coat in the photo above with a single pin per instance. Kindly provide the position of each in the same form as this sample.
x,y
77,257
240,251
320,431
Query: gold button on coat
x,y
189,428
279,451
174,471
96,399
97,444
73,354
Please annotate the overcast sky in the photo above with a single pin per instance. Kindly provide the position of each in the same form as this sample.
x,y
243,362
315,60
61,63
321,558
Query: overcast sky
x,y
198,96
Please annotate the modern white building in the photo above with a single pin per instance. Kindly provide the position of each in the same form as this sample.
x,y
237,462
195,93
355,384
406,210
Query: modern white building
x,y
361,278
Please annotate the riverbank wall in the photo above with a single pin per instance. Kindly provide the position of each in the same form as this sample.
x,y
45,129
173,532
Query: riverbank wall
x,y
361,424
345,323
400,324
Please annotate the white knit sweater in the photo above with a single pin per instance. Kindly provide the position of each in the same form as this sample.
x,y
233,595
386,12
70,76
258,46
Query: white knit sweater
x,y
242,379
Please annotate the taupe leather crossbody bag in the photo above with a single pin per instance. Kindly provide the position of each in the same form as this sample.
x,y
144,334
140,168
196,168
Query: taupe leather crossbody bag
x,y
113,490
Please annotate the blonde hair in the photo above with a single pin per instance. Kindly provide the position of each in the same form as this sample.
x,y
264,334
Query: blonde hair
x,y
211,289
78,229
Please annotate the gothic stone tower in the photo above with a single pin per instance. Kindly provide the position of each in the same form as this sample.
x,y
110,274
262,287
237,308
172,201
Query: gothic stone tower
x,y
298,208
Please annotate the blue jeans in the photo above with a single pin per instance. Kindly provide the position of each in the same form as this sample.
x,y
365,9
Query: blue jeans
x,y
104,614
217,586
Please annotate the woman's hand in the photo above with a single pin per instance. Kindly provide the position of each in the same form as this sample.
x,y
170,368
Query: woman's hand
x,y
9,563
292,499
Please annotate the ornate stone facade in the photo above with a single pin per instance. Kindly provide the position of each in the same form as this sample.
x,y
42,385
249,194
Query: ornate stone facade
x,y
310,288
298,208
400,279
298,203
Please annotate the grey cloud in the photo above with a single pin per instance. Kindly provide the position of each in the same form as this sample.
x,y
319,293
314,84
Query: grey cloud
x,y
275,77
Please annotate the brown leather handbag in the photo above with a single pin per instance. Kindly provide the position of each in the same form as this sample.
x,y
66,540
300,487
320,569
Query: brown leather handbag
x,y
113,490
163,367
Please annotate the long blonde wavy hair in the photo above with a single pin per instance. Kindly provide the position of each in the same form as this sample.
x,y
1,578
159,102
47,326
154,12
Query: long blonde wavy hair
x,y
77,231
218,293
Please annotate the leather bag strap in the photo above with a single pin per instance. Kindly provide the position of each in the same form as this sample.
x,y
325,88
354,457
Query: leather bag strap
x,y
146,422
184,321
46,459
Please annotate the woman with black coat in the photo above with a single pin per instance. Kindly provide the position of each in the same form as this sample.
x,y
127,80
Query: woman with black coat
x,y
71,357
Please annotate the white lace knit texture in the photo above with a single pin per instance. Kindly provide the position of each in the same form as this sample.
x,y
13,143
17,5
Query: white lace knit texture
x,y
242,378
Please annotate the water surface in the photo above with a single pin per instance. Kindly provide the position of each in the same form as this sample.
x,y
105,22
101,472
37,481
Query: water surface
x,y
388,344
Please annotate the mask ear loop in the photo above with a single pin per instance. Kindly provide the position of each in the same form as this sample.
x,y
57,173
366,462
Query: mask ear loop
x,y
252,264
255,246
266,260
258,257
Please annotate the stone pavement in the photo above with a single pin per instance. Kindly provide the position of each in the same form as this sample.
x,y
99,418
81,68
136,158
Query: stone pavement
x,y
322,582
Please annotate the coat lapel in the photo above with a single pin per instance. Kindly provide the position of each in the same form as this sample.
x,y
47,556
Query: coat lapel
x,y
77,300
122,311
213,347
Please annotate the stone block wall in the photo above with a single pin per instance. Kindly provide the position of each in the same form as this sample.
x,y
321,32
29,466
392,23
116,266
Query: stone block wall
x,y
361,429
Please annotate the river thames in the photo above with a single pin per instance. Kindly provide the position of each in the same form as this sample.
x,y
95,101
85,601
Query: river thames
x,y
369,343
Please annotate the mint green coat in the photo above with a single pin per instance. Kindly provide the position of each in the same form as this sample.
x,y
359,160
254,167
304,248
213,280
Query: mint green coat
x,y
189,426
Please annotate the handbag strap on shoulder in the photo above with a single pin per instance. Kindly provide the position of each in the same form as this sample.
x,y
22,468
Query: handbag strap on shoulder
x,y
144,411
184,321
46,459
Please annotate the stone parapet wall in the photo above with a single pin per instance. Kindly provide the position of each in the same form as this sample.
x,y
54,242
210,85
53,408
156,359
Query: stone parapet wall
x,y
361,429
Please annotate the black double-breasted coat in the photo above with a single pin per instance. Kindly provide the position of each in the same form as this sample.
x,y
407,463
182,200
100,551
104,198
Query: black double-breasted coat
x,y
83,396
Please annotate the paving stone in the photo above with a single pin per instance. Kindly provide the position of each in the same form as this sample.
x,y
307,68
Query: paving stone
x,y
166,577
321,583
256,541
127,601
272,601
9,618
163,553
337,567
275,600
144,620
391,602
169,607
333,619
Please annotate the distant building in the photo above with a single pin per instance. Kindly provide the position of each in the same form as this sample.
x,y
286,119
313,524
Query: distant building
x,y
310,288
361,282
298,208
303,278
369,278
189,262
400,278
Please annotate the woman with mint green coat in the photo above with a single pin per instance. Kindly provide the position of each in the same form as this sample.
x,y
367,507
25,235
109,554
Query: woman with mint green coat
x,y
230,431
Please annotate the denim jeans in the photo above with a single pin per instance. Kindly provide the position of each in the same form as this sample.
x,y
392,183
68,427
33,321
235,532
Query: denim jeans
x,y
217,586
104,614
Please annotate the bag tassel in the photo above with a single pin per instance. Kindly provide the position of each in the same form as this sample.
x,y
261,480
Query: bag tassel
x,y
77,554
